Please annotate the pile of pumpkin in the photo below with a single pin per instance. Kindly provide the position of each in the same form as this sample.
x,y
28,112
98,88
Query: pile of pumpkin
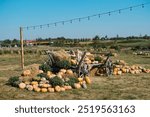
x,y
50,82
120,67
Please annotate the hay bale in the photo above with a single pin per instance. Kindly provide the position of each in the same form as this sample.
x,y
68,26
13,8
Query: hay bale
x,y
34,69
60,55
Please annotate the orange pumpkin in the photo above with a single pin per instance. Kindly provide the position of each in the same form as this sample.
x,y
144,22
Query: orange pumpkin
x,y
132,71
49,73
73,62
43,90
115,69
51,90
35,86
34,83
45,85
69,71
63,71
27,82
69,87
77,86
62,89
57,89
124,70
29,87
37,89
80,79
26,73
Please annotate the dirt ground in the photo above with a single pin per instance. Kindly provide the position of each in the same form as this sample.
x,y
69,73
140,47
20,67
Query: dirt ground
x,y
124,87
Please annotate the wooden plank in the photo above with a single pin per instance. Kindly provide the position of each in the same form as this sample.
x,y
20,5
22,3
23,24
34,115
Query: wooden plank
x,y
80,63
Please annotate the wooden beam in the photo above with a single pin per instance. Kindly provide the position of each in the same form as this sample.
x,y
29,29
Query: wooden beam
x,y
80,63
22,50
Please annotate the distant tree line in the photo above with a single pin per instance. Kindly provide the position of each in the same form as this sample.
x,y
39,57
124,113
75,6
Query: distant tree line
x,y
62,41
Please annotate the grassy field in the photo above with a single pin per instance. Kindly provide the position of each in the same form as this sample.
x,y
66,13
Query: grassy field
x,y
122,87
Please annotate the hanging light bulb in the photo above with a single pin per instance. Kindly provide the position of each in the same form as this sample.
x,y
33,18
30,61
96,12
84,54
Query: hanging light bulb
x,y
119,11
63,22
99,15
79,19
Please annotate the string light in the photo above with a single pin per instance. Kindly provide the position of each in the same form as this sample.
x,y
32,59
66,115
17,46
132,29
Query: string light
x,y
130,8
119,11
99,15
88,17
79,19
63,22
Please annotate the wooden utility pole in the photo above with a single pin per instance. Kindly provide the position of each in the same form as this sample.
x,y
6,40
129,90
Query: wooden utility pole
x,y
22,50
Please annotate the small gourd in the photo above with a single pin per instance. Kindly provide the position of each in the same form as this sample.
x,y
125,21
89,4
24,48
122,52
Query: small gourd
x,y
22,85
44,90
119,72
62,89
88,80
37,89
69,71
26,73
63,71
77,86
57,89
51,90
30,87
80,79
34,83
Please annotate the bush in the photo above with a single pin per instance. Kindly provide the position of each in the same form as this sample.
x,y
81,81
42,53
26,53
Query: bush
x,y
45,67
71,81
63,64
56,81
14,81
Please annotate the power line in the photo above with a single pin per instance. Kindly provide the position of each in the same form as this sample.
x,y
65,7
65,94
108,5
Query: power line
x,y
86,17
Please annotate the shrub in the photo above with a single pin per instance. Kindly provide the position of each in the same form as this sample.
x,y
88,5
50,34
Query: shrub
x,y
14,81
56,81
71,81
41,75
45,67
116,47
63,64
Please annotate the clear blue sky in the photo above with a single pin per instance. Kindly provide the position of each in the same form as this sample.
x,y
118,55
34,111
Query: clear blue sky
x,y
15,13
